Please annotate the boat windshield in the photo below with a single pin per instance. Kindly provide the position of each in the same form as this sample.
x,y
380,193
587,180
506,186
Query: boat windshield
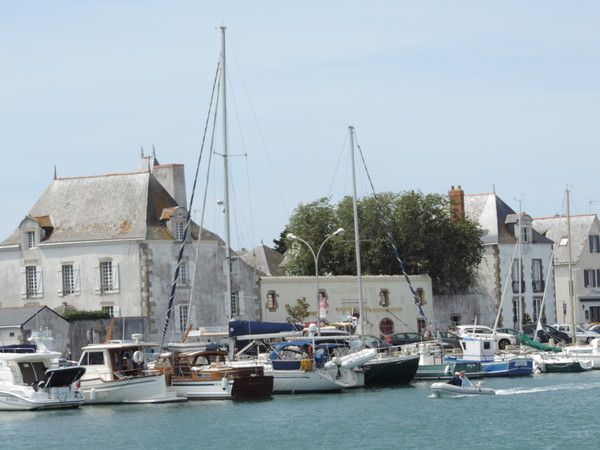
x,y
32,372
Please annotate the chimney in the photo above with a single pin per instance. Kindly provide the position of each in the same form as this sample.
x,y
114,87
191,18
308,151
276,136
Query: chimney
x,y
457,203
172,178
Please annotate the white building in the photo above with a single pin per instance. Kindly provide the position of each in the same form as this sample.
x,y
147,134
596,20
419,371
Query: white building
x,y
498,271
111,242
585,256
389,305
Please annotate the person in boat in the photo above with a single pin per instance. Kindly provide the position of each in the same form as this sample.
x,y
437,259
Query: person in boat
x,y
464,381
456,381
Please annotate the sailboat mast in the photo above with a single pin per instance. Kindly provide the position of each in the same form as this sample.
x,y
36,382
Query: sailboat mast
x,y
228,306
520,268
571,300
361,303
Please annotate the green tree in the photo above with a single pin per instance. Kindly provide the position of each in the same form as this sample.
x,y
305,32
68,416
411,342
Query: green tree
x,y
298,312
428,240
280,245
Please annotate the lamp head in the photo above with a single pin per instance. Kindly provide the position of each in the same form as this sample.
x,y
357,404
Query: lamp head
x,y
291,236
338,231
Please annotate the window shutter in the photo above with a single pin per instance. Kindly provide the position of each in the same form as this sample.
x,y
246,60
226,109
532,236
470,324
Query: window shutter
x,y
177,318
59,282
40,281
97,280
192,315
76,279
23,283
240,305
591,241
586,278
115,269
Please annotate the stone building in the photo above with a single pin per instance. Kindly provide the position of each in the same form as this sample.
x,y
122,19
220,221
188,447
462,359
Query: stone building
x,y
585,258
111,242
498,271
389,305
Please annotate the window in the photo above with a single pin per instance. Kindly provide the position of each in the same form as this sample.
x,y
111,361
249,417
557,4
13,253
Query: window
x,y
594,240
181,318
271,301
515,277
537,308
107,277
537,278
421,296
386,326
525,234
591,278
235,303
110,310
384,297
68,279
92,359
564,241
30,238
179,230
31,278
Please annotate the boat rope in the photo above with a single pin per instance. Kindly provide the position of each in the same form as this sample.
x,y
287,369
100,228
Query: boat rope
x,y
203,210
392,242
189,214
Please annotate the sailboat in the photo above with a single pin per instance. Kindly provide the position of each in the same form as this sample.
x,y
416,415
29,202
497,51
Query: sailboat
x,y
388,367
209,374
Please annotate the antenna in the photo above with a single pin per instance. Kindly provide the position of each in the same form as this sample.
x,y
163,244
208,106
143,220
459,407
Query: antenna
x,y
55,172
141,151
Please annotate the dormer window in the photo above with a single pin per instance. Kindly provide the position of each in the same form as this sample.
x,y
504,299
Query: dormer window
x,y
594,240
525,234
30,239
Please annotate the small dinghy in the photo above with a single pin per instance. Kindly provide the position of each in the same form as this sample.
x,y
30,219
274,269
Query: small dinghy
x,y
439,389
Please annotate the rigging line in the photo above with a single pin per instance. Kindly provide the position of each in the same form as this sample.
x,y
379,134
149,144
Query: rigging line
x,y
401,321
260,131
239,123
189,214
550,268
337,166
392,242
206,184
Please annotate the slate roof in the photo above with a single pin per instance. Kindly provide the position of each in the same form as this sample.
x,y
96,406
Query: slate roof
x,y
555,228
491,212
264,259
18,316
105,207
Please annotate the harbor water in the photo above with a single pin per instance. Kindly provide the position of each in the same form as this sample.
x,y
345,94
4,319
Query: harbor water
x,y
544,411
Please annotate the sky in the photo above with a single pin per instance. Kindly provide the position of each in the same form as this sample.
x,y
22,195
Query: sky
x,y
483,94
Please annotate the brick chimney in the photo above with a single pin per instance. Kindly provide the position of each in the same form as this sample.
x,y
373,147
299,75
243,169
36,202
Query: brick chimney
x,y
457,203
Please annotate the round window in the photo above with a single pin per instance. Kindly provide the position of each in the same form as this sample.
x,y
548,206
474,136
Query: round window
x,y
386,326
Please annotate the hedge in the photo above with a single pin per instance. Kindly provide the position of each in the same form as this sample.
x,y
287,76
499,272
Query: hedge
x,y
72,316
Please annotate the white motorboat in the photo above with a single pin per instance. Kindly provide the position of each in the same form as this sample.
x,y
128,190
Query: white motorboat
x,y
586,352
439,389
116,373
560,363
28,381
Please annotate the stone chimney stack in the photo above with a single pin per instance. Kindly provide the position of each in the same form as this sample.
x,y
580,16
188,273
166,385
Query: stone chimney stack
x,y
172,178
457,203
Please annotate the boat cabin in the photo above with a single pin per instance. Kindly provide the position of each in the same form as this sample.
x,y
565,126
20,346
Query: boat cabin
x,y
478,348
116,360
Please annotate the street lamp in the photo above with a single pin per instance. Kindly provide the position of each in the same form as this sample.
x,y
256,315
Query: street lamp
x,y
293,237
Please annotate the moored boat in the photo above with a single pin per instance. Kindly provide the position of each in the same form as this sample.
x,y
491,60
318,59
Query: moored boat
x,y
116,373
28,381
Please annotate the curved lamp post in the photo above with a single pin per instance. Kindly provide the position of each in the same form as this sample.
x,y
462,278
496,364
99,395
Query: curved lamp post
x,y
293,237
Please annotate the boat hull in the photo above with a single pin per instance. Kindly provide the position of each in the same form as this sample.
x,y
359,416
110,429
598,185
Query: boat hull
x,y
510,368
446,371
391,370
440,389
143,389
300,381
53,398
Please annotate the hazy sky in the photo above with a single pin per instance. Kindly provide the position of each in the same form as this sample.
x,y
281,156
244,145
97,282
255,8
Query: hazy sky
x,y
475,93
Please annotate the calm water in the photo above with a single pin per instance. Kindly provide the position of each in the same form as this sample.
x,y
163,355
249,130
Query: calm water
x,y
546,411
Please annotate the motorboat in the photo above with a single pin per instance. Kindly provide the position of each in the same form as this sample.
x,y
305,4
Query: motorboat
x,y
29,380
116,372
390,367
439,389
297,368
586,352
560,363
432,365
208,375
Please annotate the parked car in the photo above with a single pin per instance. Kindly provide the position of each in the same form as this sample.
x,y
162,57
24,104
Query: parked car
x,y
502,339
405,338
449,339
508,331
595,328
546,333
581,334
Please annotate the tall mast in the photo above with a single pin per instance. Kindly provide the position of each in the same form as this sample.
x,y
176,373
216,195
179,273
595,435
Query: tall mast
x,y
520,268
573,325
361,303
228,306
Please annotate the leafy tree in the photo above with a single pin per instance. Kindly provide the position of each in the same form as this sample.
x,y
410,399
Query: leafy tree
x,y
280,245
428,240
298,312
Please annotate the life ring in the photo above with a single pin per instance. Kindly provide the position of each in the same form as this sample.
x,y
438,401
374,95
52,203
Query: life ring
x,y
138,357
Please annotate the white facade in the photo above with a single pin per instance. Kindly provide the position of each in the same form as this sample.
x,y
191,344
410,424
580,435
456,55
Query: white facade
x,y
342,298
